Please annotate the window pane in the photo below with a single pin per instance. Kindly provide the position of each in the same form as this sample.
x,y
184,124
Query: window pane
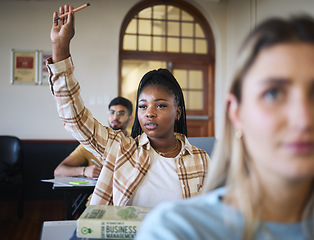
x,y
173,45
159,11
199,31
131,27
186,16
173,13
173,29
201,46
187,45
187,30
129,42
181,76
159,44
195,100
145,26
186,100
196,79
144,43
145,13
159,27
132,72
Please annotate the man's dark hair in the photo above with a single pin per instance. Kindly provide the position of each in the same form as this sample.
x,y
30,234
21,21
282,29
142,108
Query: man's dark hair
x,y
122,101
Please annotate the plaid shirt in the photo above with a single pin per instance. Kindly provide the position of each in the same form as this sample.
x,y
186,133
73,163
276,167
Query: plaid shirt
x,y
125,160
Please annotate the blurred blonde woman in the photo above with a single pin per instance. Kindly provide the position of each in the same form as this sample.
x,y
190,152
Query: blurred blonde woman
x,y
260,184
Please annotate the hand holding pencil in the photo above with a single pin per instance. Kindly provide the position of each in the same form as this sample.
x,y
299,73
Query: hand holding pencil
x,y
92,171
74,10
63,31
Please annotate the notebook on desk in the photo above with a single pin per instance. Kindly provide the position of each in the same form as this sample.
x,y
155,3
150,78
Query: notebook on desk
x,y
70,181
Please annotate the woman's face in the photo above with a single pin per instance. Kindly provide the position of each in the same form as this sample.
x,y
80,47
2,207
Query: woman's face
x,y
276,113
157,111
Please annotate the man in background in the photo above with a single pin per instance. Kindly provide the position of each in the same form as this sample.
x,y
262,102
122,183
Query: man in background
x,y
83,163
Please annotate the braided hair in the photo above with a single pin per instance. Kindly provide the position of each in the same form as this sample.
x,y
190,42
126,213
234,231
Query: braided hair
x,y
164,78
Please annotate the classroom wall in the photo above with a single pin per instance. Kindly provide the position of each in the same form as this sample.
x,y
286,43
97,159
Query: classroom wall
x,y
28,111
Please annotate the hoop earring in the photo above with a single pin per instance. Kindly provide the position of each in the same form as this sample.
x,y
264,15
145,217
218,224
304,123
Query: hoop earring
x,y
238,134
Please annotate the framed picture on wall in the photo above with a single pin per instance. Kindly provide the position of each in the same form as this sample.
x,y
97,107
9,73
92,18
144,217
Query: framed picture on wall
x,y
43,70
24,67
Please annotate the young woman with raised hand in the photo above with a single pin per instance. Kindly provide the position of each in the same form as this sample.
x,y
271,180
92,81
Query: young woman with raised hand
x,y
261,181
156,163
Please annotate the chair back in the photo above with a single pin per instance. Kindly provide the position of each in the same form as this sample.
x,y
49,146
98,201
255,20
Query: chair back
x,y
11,171
10,156
204,143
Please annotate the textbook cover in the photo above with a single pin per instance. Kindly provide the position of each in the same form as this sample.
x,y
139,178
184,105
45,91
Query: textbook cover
x,y
110,222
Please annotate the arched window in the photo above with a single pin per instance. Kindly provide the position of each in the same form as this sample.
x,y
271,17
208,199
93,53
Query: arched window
x,y
174,35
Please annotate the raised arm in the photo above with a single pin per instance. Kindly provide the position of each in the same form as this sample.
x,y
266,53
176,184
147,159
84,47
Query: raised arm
x,y
61,34
103,142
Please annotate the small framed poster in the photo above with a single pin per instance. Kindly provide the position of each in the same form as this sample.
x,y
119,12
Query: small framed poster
x,y
24,67
43,70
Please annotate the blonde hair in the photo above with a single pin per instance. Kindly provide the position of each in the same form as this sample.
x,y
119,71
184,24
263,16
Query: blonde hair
x,y
230,165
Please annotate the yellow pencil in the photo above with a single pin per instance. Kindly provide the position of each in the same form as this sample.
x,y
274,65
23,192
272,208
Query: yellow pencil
x,y
75,10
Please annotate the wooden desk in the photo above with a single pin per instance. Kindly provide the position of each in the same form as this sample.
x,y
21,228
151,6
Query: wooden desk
x,y
75,196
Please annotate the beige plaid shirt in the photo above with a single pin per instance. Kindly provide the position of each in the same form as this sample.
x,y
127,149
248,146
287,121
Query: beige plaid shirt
x,y
125,160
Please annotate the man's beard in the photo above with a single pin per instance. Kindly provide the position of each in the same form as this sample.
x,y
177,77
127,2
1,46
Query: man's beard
x,y
115,128
120,126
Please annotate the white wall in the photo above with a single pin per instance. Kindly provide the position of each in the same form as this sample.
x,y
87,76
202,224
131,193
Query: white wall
x,y
28,111
243,15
